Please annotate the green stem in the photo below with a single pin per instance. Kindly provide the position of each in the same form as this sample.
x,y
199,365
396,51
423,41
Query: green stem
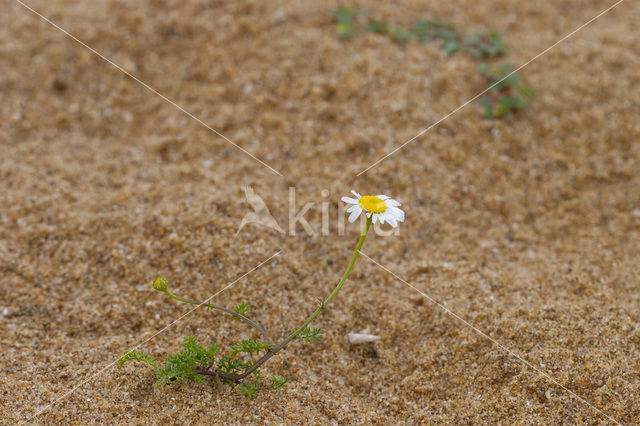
x,y
333,294
293,335
223,309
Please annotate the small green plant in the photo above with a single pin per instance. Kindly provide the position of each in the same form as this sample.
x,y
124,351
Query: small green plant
x,y
397,34
239,366
242,308
429,31
425,31
506,93
484,45
278,382
250,389
346,24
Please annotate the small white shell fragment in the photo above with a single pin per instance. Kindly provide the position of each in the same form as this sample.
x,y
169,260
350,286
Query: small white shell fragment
x,y
359,338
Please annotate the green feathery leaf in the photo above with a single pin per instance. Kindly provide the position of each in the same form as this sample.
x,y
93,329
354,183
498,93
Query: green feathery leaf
x,y
140,356
309,334
242,308
278,382
249,389
182,365
249,346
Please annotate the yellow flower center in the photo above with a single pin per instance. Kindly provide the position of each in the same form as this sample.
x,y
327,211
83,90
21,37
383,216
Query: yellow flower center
x,y
372,204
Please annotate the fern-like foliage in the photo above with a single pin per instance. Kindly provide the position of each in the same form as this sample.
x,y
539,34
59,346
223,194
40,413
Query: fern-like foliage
x,y
278,382
242,308
249,346
230,365
309,334
140,356
182,365
194,356
249,389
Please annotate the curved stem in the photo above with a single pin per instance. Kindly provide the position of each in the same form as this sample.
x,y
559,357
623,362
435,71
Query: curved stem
x,y
293,335
220,308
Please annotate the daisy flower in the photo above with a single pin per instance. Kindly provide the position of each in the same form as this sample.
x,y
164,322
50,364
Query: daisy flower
x,y
381,207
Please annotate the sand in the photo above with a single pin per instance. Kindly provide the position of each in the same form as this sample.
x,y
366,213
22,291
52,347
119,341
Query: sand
x,y
527,227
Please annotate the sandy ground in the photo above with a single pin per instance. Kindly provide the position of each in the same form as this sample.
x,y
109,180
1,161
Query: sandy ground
x,y
526,227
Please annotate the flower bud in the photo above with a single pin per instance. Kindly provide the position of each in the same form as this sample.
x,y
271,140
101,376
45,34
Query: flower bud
x,y
161,284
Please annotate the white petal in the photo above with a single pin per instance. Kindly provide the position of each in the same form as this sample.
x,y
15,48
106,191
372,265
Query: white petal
x,y
356,194
368,214
353,208
390,217
397,213
383,197
393,203
393,212
354,215
349,200
375,218
381,217
392,221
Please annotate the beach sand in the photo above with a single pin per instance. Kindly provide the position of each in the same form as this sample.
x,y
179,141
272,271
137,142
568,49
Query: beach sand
x,y
525,229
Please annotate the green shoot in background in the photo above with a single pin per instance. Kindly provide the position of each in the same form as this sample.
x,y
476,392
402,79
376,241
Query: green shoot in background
x,y
507,92
425,31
